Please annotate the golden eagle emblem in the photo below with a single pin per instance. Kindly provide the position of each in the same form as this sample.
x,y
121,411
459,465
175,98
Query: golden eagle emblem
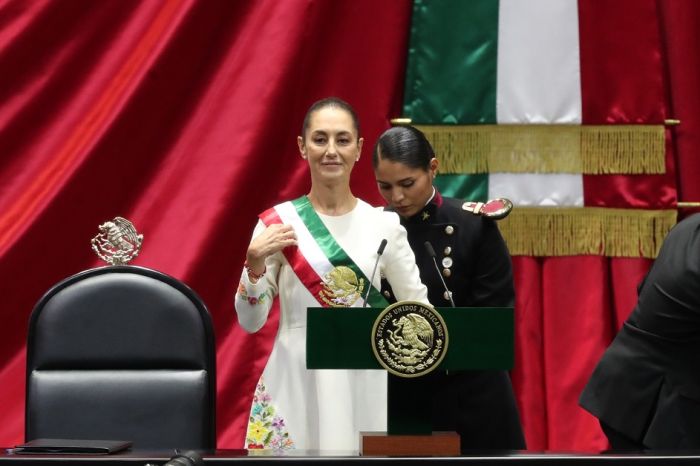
x,y
341,287
409,339
117,243
412,333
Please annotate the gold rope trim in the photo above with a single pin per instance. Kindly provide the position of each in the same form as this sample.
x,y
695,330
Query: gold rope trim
x,y
571,231
511,148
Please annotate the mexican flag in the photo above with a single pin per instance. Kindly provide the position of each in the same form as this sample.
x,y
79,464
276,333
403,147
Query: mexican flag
x,y
558,105
562,107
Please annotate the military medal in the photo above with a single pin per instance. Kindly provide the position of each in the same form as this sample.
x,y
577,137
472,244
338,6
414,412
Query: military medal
x,y
495,208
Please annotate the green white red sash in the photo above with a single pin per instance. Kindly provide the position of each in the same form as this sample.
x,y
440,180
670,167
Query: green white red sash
x,y
317,252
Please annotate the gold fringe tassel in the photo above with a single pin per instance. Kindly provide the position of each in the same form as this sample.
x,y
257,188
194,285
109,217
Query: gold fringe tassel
x,y
510,148
571,231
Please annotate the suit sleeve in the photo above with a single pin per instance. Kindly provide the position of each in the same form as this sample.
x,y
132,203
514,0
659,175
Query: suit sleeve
x,y
254,300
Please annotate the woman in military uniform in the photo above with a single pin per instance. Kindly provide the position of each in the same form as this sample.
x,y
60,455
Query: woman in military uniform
x,y
475,265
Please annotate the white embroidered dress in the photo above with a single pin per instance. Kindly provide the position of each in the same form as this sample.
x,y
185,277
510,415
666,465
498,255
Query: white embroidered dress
x,y
321,409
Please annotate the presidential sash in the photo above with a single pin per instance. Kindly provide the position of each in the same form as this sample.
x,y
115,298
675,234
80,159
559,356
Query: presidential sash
x,y
319,261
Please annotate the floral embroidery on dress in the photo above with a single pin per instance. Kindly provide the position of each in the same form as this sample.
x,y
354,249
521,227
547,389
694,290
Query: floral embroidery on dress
x,y
253,300
266,429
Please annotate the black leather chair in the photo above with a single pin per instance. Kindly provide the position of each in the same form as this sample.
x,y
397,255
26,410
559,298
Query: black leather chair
x,y
122,353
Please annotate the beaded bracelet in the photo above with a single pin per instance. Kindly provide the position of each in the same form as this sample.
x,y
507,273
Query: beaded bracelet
x,y
251,274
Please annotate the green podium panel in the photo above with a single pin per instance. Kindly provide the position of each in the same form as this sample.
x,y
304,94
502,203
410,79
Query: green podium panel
x,y
478,339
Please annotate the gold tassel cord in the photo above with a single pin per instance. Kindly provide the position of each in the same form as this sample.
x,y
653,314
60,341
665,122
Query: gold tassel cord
x,y
571,231
688,204
511,148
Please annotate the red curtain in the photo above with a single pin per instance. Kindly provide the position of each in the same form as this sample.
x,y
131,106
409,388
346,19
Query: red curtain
x,y
568,309
181,115
680,25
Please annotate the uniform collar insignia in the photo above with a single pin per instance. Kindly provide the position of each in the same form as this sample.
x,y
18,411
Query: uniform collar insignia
x,y
426,215
437,198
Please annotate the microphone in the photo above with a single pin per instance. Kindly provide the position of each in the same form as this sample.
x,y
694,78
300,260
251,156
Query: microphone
x,y
188,458
380,251
431,253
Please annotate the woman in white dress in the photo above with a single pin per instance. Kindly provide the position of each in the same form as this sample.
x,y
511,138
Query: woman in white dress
x,y
319,251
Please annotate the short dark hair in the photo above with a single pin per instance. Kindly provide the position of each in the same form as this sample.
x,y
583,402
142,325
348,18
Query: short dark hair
x,y
406,145
333,102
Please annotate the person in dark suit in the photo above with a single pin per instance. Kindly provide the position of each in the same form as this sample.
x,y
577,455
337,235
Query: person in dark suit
x,y
475,264
645,390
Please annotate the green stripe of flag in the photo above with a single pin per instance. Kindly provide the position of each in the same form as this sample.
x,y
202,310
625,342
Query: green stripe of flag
x,y
451,74
452,60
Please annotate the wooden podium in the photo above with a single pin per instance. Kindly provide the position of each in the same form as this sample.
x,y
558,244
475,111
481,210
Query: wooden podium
x,y
479,339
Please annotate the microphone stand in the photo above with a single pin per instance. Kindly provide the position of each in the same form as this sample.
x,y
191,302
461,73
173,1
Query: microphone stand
x,y
380,251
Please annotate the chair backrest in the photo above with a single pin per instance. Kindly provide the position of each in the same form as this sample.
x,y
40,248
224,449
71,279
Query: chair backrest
x,y
122,353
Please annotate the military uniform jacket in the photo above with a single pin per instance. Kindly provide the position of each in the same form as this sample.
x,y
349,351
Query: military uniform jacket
x,y
474,261
470,253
